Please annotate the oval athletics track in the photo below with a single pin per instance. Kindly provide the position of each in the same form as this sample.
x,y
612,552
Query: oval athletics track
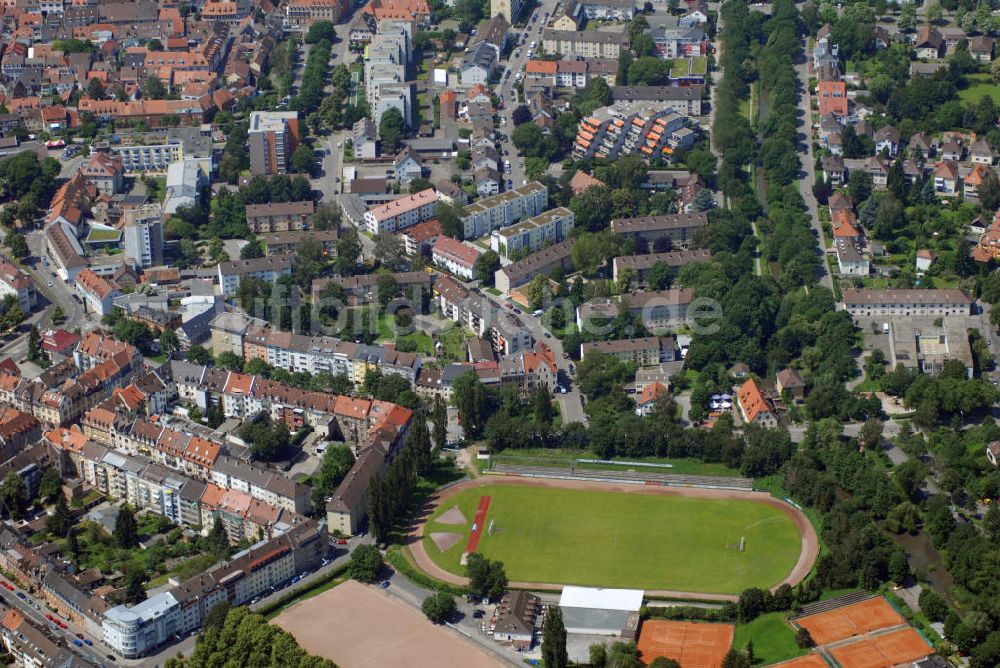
x,y
807,555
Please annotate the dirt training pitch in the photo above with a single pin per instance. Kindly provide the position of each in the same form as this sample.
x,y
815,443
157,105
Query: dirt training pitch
x,y
692,644
670,541
445,540
453,516
362,627
851,620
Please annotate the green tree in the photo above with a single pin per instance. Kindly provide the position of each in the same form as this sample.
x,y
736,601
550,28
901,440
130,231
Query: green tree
x,y
126,530
35,344
18,245
319,31
554,653
60,521
664,662
542,406
439,607
169,342
487,579
216,616
14,495
735,659
365,563
440,418
153,88
302,160
50,484
386,287
390,130
450,218
389,252
486,266
229,360
135,592
470,398
199,355
218,539
803,638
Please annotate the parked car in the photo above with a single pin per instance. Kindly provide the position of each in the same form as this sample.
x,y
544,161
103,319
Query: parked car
x,y
87,642
384,585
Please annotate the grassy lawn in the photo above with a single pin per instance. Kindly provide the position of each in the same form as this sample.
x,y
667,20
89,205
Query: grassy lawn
x,y
541,457
421,341
773,638
683,67
613,539
185,570
453,342
494,292
979,85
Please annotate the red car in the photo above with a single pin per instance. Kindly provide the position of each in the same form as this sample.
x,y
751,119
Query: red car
x,y
49,617
341,541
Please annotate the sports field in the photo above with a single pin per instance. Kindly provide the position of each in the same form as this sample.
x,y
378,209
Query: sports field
x,y
615,539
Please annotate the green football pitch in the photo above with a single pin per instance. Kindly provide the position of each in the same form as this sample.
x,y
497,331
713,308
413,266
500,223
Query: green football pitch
x,y
614,539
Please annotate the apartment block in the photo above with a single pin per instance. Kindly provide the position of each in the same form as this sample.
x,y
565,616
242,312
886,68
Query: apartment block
x,y
402,213
531,234
907,302
271,138
279,216
144,234
267,269
645,351
585,44
492,213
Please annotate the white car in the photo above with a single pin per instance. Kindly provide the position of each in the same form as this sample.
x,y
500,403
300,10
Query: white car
x,y
50,284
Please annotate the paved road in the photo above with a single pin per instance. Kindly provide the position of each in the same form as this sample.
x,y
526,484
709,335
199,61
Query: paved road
x,y
571,403
95,654
505,89
806,154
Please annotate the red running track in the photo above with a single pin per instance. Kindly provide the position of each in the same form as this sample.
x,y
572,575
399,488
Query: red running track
x,y
477,524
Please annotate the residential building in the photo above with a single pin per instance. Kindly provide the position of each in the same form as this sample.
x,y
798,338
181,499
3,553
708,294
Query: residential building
x,y
492,213
228,330
645,402
644,351
105,171
637,267
645,129
272,137
532,233
906,302
755,407
402,213
670,43
421,236
267,269
185,181
516,618
679,228
13,281
685,100
832,98
144,234
363,288
279,216
284,243
585,44
920,344
790,380
543,261
301,14
96,292
455,257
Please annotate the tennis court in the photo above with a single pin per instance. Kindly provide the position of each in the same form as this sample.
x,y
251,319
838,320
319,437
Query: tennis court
x,y
692,644
885,651
850,620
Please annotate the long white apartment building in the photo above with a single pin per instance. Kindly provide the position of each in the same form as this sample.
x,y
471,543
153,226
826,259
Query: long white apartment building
x,y
402,213
482,217
531,234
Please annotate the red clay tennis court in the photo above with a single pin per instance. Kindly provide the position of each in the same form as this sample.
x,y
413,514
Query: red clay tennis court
x,y
807,661
851,620
885,651
477,524
692,644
